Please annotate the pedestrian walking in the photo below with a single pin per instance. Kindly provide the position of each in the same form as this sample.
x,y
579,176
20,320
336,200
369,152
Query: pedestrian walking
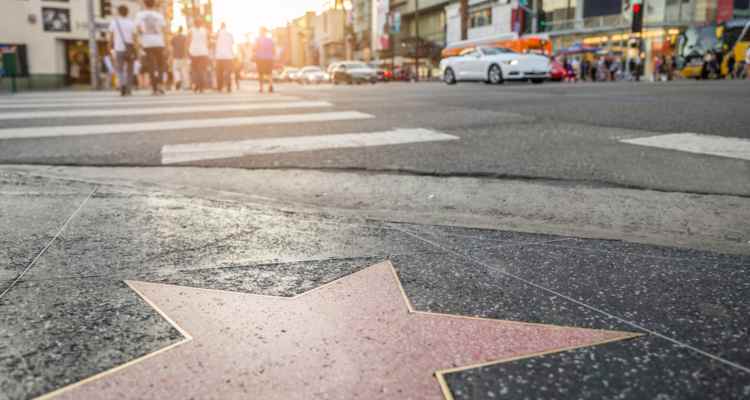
x,y
108,70
747,63
657,69
265,53
731,61
570,75
238,67
122,40
181,64
593,68
151,25
576,64
224,56
671,66
198,50
615,68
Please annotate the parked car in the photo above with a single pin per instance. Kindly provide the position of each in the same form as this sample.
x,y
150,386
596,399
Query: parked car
x,y
329,70
383,74
311,74
288,74
495,65
354,72
557,71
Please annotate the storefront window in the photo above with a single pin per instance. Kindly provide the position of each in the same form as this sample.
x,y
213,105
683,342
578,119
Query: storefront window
x,y
479,18
558,14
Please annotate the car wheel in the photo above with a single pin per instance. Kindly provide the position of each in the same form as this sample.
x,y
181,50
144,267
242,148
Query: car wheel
x,y
495,75
449,77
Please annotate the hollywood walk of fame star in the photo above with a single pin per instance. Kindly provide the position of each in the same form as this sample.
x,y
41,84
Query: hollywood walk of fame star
x,y
355,338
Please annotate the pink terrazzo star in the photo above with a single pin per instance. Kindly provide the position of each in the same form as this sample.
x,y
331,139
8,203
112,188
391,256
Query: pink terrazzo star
x,y
356,338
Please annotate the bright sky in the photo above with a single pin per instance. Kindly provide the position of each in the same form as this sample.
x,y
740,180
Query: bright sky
x,y
243,16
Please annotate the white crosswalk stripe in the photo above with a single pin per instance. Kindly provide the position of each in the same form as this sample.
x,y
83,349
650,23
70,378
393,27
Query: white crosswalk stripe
x,y
211,151
129,101
141,127
114,94
125,113
160,110
697,144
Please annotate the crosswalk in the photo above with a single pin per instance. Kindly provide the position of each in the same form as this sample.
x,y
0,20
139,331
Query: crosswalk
x,y
79,114
698,144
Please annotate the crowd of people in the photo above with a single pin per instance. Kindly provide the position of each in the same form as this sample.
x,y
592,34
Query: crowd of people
x,y
140,55
664,68
613,68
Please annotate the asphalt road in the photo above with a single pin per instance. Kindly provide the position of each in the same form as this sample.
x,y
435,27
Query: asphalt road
x,y
571,133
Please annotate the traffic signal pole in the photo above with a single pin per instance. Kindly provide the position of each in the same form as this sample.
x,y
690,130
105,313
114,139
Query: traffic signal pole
x,y
416,43
93,50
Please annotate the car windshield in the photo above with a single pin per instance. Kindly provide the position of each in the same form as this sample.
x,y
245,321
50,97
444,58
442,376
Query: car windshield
x,y
355,65
493,51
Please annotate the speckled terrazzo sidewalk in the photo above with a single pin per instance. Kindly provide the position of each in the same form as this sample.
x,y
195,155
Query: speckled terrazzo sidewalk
x,y
101,283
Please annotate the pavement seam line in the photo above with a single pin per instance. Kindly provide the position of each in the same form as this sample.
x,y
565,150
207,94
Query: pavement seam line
x,y
581,303
49,243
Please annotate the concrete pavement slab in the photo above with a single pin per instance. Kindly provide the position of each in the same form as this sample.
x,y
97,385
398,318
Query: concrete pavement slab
x,y
446,283
276,279
701,303
56,332
133,233
643,368
32,211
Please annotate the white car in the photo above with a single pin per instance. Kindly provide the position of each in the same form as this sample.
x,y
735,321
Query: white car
x,y
311,74
353,72
495,65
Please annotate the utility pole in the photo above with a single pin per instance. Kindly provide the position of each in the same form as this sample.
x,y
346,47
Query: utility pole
x,y
416,43
93,50
464,19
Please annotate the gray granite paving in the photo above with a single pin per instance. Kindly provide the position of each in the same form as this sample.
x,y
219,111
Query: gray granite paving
x,y
32,210
134,234
57,332
277,279
643,368
702,303
72,316
444,283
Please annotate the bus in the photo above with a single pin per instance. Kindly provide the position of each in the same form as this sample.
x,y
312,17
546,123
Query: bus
x,y
731,37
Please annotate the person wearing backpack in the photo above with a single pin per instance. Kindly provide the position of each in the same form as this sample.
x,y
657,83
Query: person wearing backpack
x,y
122,39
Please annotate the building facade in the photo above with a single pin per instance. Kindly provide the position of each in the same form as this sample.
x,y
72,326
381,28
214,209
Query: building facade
x,y
606,24
330,37
486,18
46,42
418,37
361,27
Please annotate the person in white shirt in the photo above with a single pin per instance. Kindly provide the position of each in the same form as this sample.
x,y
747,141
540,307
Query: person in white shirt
x,y
151,28
122,40
224,56
198,50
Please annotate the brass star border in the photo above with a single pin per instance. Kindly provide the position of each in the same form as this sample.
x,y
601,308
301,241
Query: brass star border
x,y
439,374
